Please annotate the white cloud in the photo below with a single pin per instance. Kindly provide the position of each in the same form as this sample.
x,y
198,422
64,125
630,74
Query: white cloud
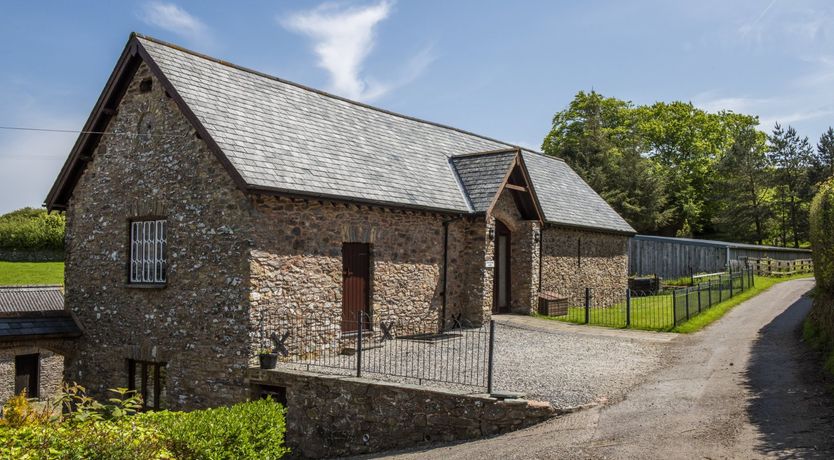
x,y
783,109
170,17
343,38
754,29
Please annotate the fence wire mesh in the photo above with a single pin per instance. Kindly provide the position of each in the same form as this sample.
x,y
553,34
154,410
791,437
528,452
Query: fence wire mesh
x,y
656,310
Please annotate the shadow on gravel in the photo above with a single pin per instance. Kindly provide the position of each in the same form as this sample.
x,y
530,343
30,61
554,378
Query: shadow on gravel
x,y
790,404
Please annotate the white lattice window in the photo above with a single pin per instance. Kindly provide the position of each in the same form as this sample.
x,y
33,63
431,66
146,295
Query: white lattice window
x,y
148,250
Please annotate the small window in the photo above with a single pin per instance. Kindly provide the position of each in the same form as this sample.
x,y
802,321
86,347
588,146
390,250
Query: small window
x,y
146,85
148,379
148,252
26,370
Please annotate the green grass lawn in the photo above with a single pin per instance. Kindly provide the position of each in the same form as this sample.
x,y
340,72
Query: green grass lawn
x,y
656,312
715,313
17,273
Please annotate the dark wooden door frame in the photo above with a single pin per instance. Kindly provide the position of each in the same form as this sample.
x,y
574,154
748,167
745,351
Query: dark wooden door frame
x,y
503,230
356,276
30,366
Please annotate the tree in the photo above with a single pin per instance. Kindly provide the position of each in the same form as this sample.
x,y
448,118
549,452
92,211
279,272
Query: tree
x,y
596,136
743,178
688,142
823,161
792,156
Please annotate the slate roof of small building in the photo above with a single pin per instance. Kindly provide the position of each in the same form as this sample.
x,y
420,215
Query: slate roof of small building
x,y
481,176
62,326
23,299
284,137
31,312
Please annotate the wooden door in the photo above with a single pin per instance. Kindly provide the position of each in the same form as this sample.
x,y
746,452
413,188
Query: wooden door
x,y
26,374
356,271
501,289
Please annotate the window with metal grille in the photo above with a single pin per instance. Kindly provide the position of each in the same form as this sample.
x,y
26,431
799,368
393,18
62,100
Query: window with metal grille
x,y
147,378
148,251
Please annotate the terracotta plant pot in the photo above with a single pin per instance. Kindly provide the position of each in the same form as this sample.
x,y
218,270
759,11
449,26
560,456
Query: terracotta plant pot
x,y
268,360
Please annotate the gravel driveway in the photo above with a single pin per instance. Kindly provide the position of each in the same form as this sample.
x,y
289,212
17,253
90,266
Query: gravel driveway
x,y
572,367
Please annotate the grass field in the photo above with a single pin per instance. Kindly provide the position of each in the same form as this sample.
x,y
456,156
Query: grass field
x,y
656,312
17,273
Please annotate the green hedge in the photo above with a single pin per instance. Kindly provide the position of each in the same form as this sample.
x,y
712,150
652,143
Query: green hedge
x,y
32,229
822,235
77,427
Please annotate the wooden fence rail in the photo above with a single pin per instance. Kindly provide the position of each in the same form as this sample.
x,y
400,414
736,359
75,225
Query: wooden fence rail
x,y
776,267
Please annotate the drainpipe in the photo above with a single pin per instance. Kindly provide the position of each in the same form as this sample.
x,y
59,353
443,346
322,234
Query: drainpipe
x,y
541,253
445,270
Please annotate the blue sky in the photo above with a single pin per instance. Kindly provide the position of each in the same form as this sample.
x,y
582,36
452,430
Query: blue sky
x,y
497,68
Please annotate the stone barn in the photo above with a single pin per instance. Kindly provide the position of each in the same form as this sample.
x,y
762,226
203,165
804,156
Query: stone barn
x,y
207,202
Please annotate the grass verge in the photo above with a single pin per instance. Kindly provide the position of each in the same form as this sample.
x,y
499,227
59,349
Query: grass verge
x,y
816,337
655,313
17,273
715,313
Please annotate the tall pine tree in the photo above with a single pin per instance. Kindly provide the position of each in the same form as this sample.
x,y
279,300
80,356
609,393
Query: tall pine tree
x,y
792,156
743,180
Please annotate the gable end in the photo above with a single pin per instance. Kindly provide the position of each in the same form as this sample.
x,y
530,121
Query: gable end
x,y
105,108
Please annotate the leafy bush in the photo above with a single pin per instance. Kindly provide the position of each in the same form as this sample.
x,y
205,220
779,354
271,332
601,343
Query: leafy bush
x,y
29,229
822,236
78,427
251,430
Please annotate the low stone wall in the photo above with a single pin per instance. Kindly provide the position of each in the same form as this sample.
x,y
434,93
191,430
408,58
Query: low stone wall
x,y
42,255
329,416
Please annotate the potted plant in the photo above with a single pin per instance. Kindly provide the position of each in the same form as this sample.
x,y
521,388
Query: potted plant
x,y
268,358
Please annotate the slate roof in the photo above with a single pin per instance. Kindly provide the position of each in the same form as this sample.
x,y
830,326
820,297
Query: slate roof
x,y
567,199
21,299
283,137
41,327
31,312
481,175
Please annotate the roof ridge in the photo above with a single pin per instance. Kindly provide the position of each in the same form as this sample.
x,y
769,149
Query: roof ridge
x,y
41,287
485,153
314,90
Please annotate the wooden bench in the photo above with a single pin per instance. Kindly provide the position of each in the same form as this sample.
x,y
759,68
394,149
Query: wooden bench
x,y
552,304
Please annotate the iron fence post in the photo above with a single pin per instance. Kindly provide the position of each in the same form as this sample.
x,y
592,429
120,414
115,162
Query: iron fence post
x,y
731,284
674,307
628,307
699,297
709,292
720,289
587,305
490,358
742,281
359,347
687,303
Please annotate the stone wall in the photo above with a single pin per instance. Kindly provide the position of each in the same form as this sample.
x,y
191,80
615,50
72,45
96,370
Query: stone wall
x,y
575,259
331,416
50,378
198,323
296,264
39,255
467,274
